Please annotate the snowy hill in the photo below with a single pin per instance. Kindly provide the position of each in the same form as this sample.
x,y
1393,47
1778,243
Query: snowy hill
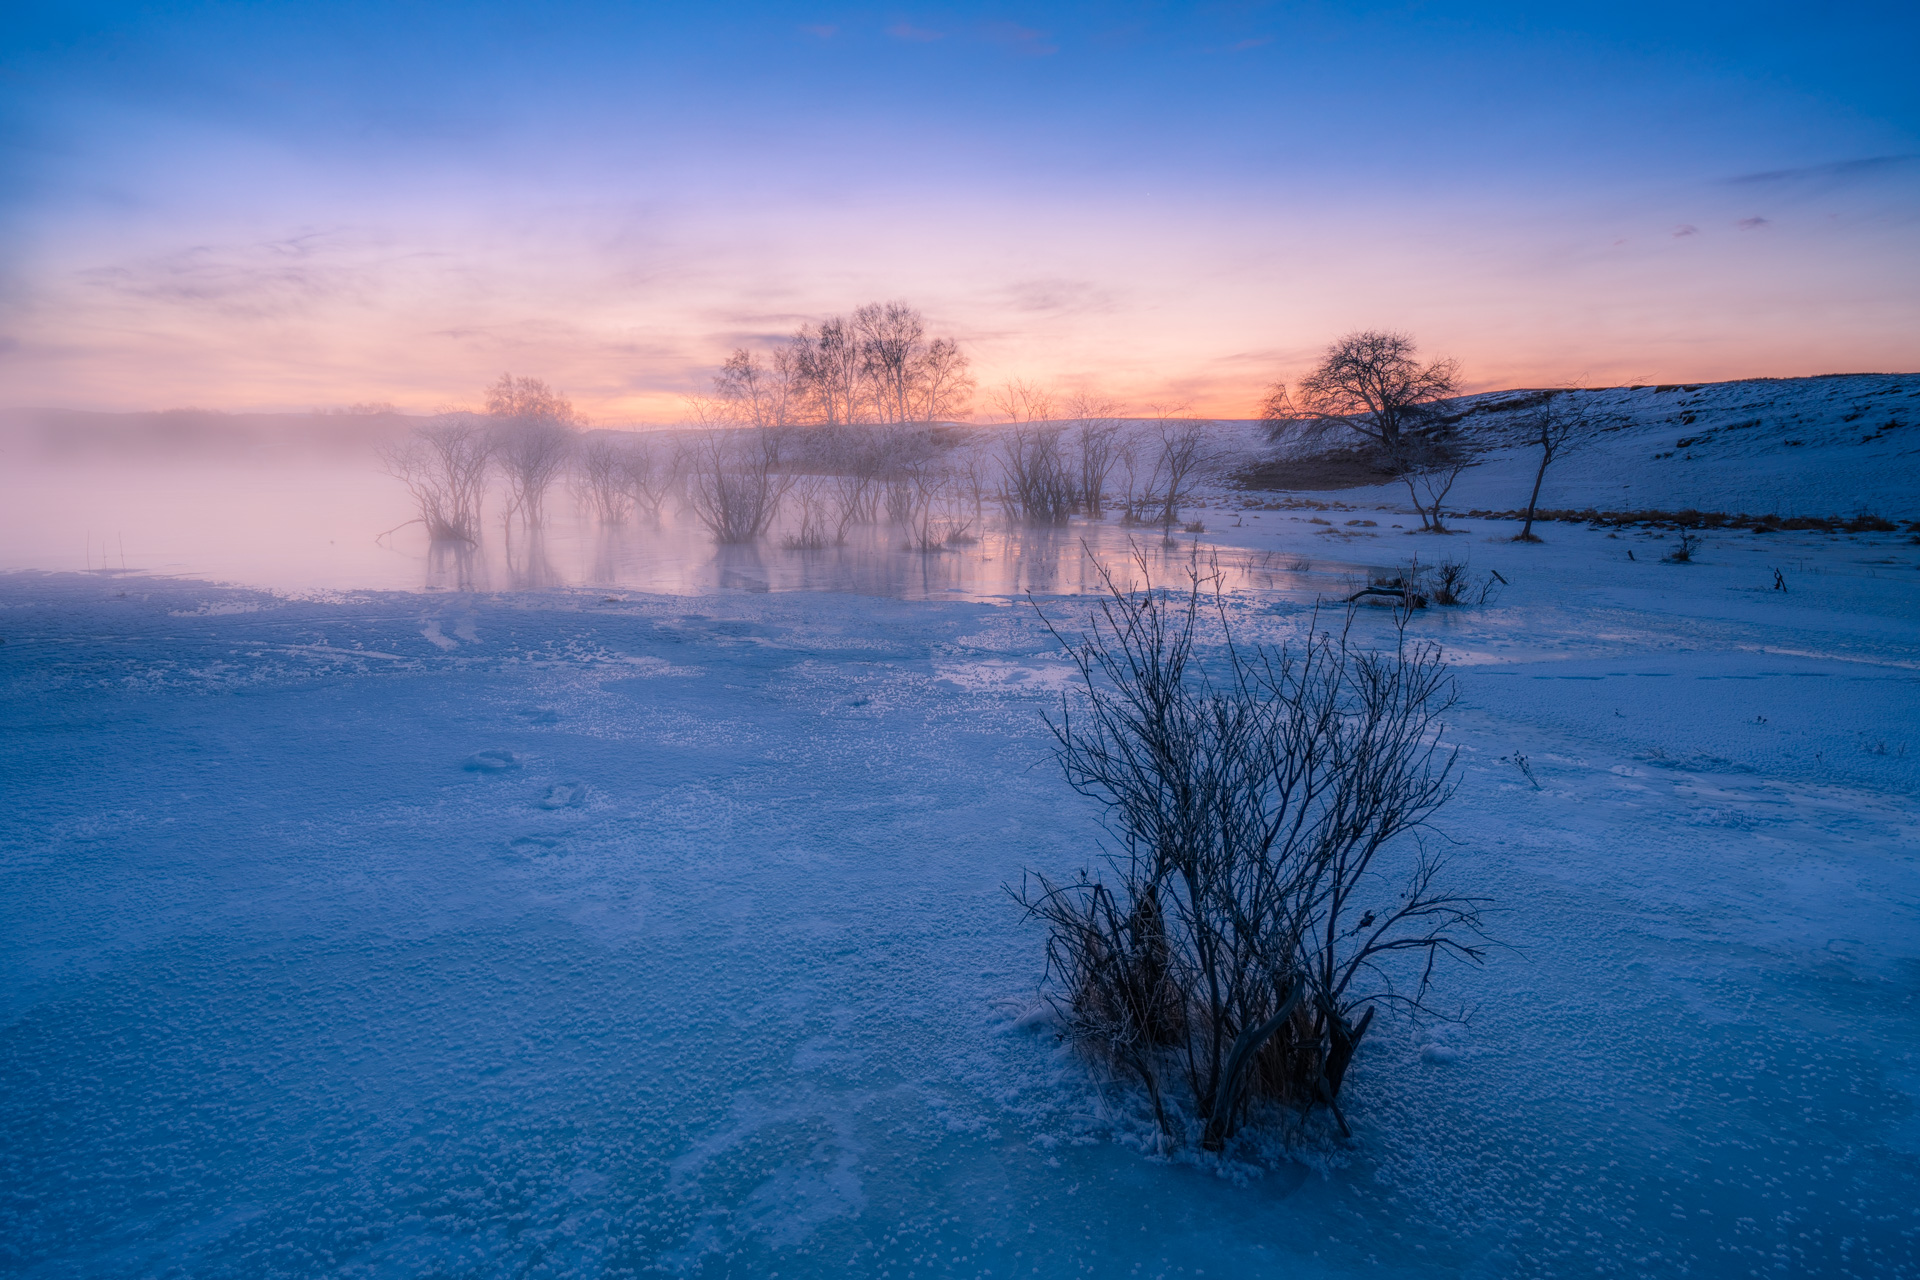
x,y
1827,446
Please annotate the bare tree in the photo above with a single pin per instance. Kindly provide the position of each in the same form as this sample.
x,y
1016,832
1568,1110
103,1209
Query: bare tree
x,y
734,482
1428,466
1096,431
1261,903
821,525
924,508
651,470
975,467
444,466
533,437
1369,383
830,366
893,341
1037,480
877,365
1559,424
755,390
941,388
1185,446
603,475
1021,401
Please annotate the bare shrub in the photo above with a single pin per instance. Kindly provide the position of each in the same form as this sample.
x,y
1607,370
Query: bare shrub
x,y
1185,446
856,493
652,471
975,477
1096,441
602,477
444,466
733,482
1683,550
1136,482
921,500
901,499
1451,583
1037,485
1428,466
820,522
1259,906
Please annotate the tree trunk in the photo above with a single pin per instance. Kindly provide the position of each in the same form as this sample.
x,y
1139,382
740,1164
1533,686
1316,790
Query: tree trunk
x,y
1526,531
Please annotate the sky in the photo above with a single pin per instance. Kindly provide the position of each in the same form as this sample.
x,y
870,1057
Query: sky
x,y
287,206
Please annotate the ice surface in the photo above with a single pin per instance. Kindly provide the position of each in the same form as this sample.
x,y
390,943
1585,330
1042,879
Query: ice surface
x,y
559,934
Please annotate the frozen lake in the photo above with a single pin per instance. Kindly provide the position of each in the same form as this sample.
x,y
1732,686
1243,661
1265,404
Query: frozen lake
x,y
654,922
309,524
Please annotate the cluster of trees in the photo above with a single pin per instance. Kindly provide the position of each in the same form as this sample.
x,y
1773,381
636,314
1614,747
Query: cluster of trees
x,y
526,435
878,365
738,471
1371,388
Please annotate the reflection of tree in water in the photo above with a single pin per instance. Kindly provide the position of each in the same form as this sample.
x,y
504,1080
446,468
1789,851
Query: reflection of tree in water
x,y
454,564
1008,559
740,567
528,568
609,548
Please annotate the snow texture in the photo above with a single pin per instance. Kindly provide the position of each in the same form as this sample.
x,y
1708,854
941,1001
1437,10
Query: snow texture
x,y
554,934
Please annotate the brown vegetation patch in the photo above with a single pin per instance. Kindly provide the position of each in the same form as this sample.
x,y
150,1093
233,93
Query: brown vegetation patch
x,y
1691,519
1336,469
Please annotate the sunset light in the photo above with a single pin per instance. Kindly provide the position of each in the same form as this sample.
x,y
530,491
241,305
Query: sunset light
x,y
752,640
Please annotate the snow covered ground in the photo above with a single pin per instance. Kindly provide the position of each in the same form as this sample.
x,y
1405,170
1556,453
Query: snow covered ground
x,y
575,932
1833,446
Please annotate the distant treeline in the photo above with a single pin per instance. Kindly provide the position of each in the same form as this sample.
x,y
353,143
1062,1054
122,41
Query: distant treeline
x,y
877,365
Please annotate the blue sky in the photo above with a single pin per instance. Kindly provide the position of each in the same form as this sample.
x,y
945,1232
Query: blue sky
x,y
275,206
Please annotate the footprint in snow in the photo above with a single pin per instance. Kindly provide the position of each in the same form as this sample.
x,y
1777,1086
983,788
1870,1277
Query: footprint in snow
x,y
564,795
533,846
491,761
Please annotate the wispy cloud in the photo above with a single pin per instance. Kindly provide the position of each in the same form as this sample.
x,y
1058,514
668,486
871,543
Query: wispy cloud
x,y
1839,169
1057,295
265,278
1748,224
1685,229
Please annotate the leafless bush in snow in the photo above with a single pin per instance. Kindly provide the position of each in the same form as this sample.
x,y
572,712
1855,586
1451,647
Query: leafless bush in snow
x,y
1451,583
1260,904
1683,550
